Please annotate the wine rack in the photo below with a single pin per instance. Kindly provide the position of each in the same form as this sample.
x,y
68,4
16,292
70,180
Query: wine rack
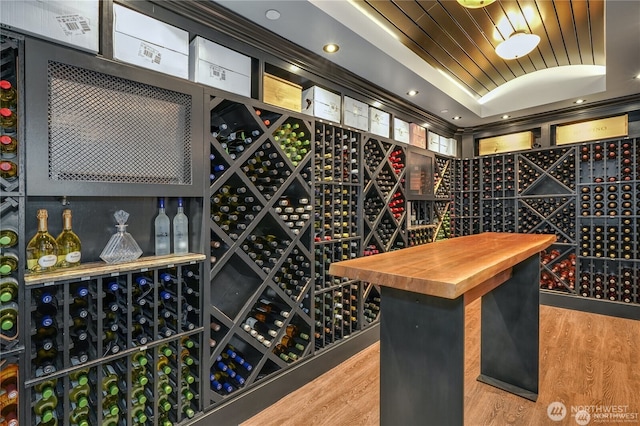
x,y
116,344
587,195
466,198
337,230
260,309
12,244
384,206
609,220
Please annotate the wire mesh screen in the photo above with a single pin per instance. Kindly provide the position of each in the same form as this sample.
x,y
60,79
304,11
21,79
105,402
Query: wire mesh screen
x,y
104,128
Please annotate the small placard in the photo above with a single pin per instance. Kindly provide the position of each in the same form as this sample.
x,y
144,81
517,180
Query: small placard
x,y
282,93
604,128
505,143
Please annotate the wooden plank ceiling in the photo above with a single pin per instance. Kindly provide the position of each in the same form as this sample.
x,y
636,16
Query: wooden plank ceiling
x,y
462,41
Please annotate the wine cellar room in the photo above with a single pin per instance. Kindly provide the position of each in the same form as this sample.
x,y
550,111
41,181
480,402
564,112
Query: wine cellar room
x,y
178,178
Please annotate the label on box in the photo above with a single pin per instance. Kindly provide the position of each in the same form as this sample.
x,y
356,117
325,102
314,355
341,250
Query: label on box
x,y
73,24
217,72
149,53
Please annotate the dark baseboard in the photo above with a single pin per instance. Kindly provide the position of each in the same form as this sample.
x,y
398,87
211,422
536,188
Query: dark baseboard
x,y
266,394
595,306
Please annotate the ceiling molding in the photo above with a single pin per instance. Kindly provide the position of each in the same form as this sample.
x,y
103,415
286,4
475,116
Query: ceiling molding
x,y
220,19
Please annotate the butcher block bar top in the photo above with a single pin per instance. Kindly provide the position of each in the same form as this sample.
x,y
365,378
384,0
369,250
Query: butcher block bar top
x,y
447,268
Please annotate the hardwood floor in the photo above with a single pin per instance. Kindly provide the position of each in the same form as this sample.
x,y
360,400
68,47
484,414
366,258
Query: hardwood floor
x,y
585,360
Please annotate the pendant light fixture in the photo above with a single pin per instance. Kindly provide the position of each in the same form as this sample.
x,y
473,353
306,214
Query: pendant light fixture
x,y
475,4
519,44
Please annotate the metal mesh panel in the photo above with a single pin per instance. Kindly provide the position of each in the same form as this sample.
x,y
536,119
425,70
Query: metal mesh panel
x,y
107,129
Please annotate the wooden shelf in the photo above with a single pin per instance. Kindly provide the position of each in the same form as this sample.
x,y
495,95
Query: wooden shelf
x,y
86,270
455,266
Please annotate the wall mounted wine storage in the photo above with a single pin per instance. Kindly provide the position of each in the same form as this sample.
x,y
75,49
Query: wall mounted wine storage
x,y
12,244
116,344
588,195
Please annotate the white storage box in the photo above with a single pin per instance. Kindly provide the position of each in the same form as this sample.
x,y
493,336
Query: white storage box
x,y
141,40
379,122
433,142
73,23
356,114
400,130
321,103
219,66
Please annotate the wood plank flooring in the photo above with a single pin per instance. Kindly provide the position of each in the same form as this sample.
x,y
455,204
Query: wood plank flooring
x,y
585,360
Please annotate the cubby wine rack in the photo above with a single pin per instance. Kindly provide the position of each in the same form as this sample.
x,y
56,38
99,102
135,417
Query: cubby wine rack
x,y
609,220
116,344
12,244
587,195
467,198
337,230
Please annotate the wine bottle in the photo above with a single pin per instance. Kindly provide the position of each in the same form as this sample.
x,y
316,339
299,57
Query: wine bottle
x,y
8,120
8,289
42,250
45,409
8,95
110,380
8,170
8,318
69,246
8,146
138,413
162,229
180,231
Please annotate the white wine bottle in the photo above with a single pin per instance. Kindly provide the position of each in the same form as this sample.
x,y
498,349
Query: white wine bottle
x,y
69,246
180,231
42,250
162,228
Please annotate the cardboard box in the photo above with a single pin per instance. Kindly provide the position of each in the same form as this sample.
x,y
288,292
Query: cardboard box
x,y
400,130
417,135
141,40
433,142
356,114
72,23
282,93
379,122
321,103
219,66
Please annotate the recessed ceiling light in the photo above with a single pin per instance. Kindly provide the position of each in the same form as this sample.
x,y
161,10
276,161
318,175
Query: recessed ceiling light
x,y
272,14
457,117
638,77
579,101
331,48
412,92
504,117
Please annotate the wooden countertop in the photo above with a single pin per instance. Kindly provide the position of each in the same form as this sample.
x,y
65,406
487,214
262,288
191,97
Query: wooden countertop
x,y
447,268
